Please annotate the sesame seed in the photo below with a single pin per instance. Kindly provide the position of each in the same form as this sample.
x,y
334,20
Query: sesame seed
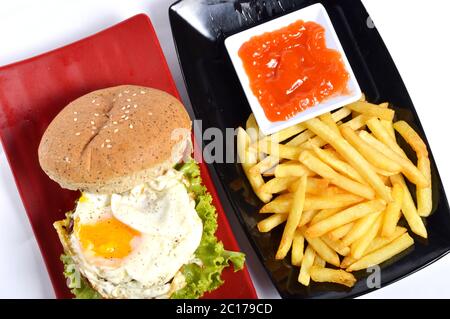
x,y
134,94
95,114
93,101
109,146
127,111
120,94
150,113
97,104
75,113
128,100
107,140
123,116
94,128
131,125
92,122
127,91
116,130
75,119
77,133
142,92
126,118
106,126
103,145
135,106
115,122
128,106
123,108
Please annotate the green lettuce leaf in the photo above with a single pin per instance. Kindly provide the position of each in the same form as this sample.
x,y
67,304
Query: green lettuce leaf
x,y
199,278
214,257
77,284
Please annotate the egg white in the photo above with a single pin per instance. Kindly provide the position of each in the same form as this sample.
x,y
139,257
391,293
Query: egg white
x,y
164,214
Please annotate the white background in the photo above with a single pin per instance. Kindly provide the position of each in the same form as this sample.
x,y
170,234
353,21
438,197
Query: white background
x,y
416,35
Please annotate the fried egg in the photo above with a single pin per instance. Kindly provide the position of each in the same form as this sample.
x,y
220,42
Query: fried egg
x,y
133,245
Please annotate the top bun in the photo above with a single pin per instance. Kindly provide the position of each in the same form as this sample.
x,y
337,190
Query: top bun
x,y
111,140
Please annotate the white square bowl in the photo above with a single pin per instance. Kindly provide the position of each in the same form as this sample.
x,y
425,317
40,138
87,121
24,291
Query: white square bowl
x,y
315,13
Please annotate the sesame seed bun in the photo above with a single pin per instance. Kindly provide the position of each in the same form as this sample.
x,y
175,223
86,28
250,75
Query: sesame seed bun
x,y
113,139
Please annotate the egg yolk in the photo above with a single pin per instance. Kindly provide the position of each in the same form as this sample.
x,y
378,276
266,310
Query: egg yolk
x,y
107,238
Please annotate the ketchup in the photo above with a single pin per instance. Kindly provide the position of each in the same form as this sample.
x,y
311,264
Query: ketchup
x,y
291,69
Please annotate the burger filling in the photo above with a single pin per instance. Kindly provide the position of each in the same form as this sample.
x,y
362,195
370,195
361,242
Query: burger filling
x,y
155,241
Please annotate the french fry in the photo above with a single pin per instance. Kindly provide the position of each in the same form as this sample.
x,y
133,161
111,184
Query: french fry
x,y
408,168
409,208
347,216
340,232
271,161
338,276
324,214
328,120
388,126
328,202
283,135
334,190
308,135
255,180
337,246
315,186
360,228
319,262
380,242
252,128
376,244
357,123
264,165
393,213
322,169
372,110
279,150
307,216
282,204
298,247
351,156
340,166
372,155
291,169
293,220
381,255
424,194
243,142
412,138
277,185
266,225
321,249
360,246
382,135
307,262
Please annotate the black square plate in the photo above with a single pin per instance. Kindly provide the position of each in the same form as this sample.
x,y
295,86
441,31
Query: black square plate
x,y
200,27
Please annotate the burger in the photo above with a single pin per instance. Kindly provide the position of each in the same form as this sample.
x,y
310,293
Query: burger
x,y
144,225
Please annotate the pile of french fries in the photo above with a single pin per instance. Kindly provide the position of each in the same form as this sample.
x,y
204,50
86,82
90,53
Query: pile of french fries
x,y
339,188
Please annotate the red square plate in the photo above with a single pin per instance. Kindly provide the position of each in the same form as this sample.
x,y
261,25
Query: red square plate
x,y
33,91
